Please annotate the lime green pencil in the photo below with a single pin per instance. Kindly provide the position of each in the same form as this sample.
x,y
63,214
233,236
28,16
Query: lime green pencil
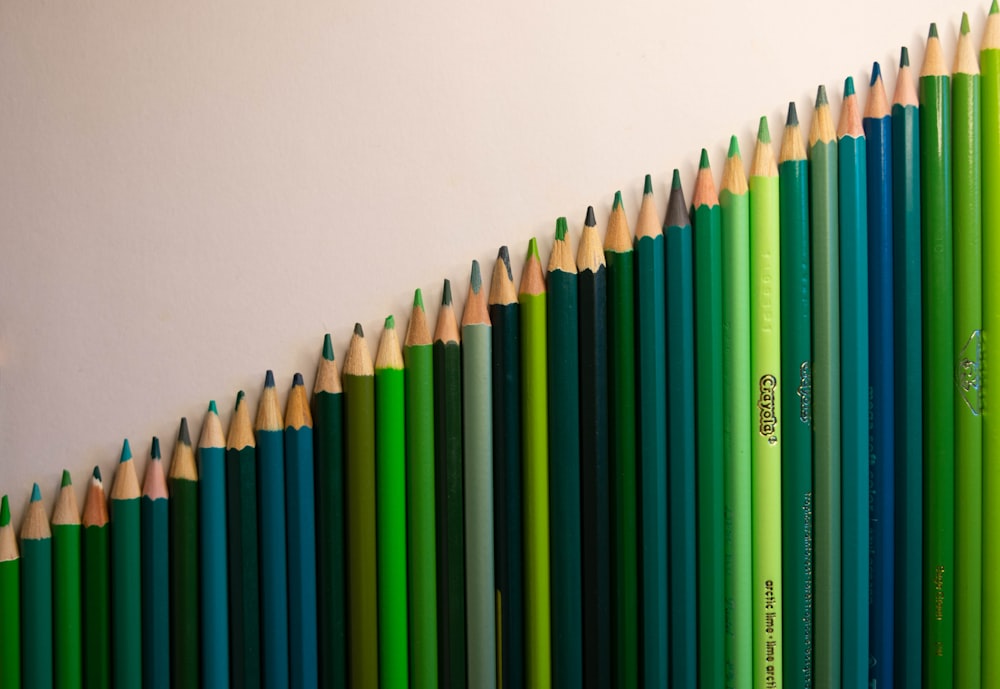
x,y
66,602
36,594
10,601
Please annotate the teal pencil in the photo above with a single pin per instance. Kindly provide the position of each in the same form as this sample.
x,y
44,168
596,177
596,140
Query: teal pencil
x,y
651,432
126,575
155,574
212,551
36,595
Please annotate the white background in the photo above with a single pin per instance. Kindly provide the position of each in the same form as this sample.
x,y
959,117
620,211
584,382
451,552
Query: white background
x,y
194,192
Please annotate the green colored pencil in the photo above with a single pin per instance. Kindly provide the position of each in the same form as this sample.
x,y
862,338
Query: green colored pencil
x,y
989,58
477,417
270,435
734,204
10,601
706,216
651,435
155,567
939,359
508,535
564,461
390,501
214,579
359,421
126,575
594,488
328,433
36,594
185,626
620,257
966,175
96,610
244,585
535,439
824,218
907,657
66,603
418,372
766,446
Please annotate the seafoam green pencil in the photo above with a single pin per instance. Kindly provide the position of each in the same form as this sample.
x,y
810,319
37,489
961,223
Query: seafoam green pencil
x,y
36,595
10,601
155,565
66,603
126,575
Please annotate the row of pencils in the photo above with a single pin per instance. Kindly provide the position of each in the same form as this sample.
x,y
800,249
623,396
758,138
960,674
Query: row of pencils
x,y
746,446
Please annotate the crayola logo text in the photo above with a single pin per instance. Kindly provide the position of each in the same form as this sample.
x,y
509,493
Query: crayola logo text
x,y
768,419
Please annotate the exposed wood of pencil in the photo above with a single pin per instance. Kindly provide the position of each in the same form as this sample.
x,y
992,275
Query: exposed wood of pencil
x,y
297,414
66,511
850,118
240,428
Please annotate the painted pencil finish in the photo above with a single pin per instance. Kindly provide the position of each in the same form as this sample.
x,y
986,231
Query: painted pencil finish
x,y
66,589
269,433
126,575
10,601
877,125
36,595
359,421
507,527
328,437
939,360
967,185
477,418
594,486
908,371
185,626
681,483
651,436
155,557
737,422
96,610
535,439
825,253
211,456
418,372
989,58
796,400
449,498
301,525
706,218
243,566
620,259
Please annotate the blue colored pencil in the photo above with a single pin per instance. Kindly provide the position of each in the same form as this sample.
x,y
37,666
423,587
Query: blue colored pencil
x,y
212,547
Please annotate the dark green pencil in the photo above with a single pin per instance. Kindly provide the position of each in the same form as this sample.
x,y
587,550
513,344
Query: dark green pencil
x,y
126,575
66,603
182,485
155,565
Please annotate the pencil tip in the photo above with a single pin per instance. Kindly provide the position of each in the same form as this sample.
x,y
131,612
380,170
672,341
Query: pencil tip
x,y
97,473
590,221
965,23
476,277
126,452
297,378
848,87
4,511
647,187
212,408
239,399
418,301
183,435
154,451
821,98
390,324
445,296
532,248
269,379
793,115
36,493
67,480
703,164
932,33
358,330
504,255
561,229
734,146
675,182
618,201
876,73
763,133
904,57
328,344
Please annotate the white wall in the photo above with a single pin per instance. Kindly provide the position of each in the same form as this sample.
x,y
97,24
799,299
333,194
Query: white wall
x,y
193,192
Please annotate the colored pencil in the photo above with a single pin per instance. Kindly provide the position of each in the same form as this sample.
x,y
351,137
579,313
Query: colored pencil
x,y
851,152
595,508
766,446
126,575
390,503
968,267
908,382
421,548
36,595
989,58
10,601
939,360
448,496
359,422
706,217
155,567
96,610
301,525
211,455
877,125
185,640
620,258
796,400
737,423
328,434
824,219
507,526
244,582
535,439
66,603
564,461
477,417
651,437
269,432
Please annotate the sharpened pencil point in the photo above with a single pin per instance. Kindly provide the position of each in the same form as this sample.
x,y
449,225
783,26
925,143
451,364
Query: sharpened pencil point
x,y
4,511
763,133
269,379
647,187
126,452
358,330
793,115
184,435
297,378
734,146
995,7
36,493
561,229
504,255
476,278
154,451
532,248
618,201
67,480
328,343
390,323
97,473
703,163
675,182
239,398
965,23
591,221
821,98
876,73
932,33
212,408
418,300
848,87
445,296
904,55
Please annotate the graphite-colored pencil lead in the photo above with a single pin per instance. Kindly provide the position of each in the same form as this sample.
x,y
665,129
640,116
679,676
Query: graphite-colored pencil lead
x,y
648,222
476,310
591,221
446,329
677,209
502,290
792,120
359,359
